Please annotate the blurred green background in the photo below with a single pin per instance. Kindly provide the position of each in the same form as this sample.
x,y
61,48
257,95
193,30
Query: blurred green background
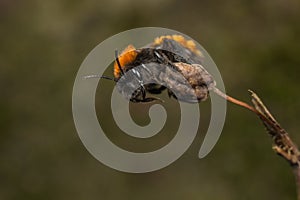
x,y
255,44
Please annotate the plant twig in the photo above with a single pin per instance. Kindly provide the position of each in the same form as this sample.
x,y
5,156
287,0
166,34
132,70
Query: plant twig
x,y
282,143
233,100
296,170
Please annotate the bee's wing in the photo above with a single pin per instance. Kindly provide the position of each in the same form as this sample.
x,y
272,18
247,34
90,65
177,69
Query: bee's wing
x,y
181,51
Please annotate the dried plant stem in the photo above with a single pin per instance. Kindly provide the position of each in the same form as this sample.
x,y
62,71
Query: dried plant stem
x,y
296,170
282,143
233,100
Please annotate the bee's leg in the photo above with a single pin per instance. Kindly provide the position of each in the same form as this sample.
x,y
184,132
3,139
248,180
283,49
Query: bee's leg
x,y
138,95
150,99
146,100
155,88
143,91
171,94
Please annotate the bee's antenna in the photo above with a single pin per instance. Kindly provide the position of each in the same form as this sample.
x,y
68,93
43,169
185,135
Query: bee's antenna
x,y
106,77
97,76
118,62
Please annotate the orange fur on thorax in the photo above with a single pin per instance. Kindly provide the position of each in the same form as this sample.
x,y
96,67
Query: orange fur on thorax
x,y
127,56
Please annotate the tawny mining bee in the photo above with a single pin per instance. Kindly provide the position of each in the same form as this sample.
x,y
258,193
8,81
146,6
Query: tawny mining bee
x,y
171,58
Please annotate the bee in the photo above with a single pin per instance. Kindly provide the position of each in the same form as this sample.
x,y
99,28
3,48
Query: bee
x,y
172,58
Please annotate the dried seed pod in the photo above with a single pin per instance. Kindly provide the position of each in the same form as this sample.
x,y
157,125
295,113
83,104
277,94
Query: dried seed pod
x,y
199,79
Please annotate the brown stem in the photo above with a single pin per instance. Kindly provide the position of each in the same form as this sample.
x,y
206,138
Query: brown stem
x,y
241,103
284,146
233,100
296,170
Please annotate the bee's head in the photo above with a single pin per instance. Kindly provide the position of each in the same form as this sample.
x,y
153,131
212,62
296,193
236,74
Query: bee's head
x,y
127,56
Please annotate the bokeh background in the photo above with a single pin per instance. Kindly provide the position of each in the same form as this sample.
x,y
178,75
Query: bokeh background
x,y
255,44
